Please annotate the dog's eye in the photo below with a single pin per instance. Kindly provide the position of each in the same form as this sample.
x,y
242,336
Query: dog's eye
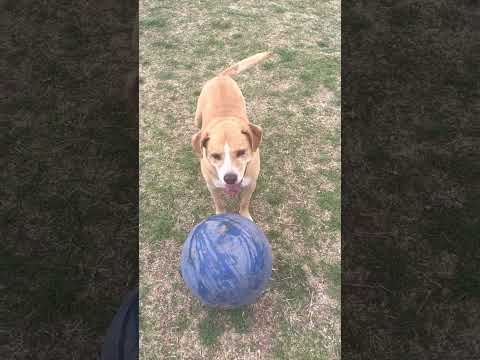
x,y
240,153
216,156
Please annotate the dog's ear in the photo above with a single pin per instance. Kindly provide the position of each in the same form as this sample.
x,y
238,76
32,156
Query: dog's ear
x,y
199,141
254,134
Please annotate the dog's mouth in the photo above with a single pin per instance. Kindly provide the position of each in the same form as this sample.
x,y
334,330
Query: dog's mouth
x,y
232,190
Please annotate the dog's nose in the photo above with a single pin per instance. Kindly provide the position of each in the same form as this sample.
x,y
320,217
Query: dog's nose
x,y
230,179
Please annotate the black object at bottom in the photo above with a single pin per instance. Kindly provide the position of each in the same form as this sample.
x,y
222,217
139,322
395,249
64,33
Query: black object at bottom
x,y
121,342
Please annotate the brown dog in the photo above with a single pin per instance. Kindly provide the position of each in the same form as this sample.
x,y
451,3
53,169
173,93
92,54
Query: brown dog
x,y
227,143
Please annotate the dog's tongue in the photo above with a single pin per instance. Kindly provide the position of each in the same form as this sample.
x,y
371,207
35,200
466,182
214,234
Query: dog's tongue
x,y
232,190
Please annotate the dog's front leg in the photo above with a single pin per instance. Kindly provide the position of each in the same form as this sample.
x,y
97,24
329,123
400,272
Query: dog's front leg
x,y
217,195
245,197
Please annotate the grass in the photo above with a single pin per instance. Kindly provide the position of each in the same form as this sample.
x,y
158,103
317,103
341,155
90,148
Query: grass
x,y
163,226
210,328
286,55
215,323
188,161
290,279
333,276
297,202
152,23
329,200
303,218
240,319
326,70
221,25
294,345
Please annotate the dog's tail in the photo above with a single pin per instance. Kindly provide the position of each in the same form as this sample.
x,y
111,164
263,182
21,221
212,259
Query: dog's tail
x,y
246,64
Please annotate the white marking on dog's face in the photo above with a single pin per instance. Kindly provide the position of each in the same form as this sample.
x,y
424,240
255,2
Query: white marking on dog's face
x,y
227,157
224,164
227,166
218,183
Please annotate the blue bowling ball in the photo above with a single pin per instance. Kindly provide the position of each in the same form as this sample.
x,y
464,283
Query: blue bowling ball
x,y
226,261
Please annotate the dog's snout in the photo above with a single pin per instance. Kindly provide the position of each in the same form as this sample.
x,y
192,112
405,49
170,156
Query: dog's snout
x,y
230,179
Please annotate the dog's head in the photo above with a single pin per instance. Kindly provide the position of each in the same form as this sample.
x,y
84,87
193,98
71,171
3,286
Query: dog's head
x,y
228,146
